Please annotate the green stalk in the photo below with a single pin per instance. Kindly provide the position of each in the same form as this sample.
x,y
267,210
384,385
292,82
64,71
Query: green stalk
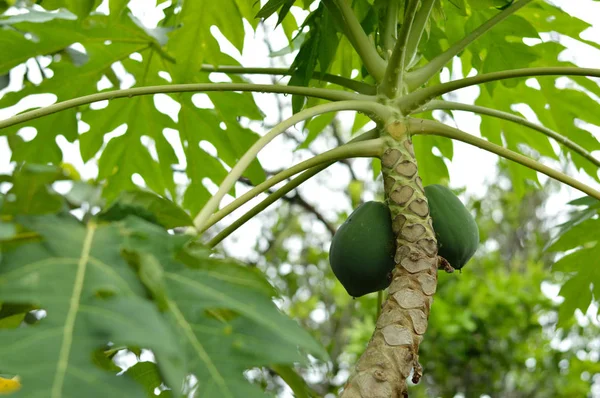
x,y
359,87
358,38
370,148
414,100
431,127
236,172
394,73
421,76
390,30
436,104
324,93
412,45
281,192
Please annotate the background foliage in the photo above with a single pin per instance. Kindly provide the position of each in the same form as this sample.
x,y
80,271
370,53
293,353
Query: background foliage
x,y
91,282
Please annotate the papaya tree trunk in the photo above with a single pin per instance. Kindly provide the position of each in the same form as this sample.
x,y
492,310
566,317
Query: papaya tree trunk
x,y
392,352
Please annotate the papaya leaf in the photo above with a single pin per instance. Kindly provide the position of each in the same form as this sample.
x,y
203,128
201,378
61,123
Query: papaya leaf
x,y
578,296
192,44
57,34
319,48
148,375
222,311
131,153
591,203
7,230
272,6
315,126
131,283
546,17
36,16
579,238
575,236
91,297
144,135
12,321
105,42
31,192
195,125
12,315
432,167
157,209
117,8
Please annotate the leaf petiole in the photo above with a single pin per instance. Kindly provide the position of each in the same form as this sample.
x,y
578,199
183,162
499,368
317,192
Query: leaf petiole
x,y
379,111
370,148
561,139
324,93
431,127
414,100
294,183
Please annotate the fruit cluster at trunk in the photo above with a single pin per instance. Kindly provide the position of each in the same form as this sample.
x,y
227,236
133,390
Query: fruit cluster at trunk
x,y
455,228
362,250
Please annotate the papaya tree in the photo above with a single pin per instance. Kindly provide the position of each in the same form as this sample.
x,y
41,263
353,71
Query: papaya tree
x,y
126,264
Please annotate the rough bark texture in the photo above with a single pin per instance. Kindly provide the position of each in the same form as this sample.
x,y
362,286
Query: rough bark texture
x,y
392,352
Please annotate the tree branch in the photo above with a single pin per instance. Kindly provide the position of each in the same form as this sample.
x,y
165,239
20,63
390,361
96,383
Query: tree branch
x,y
436,104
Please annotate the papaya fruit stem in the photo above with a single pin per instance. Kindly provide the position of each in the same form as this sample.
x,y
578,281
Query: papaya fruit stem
x,y
443,264
431,127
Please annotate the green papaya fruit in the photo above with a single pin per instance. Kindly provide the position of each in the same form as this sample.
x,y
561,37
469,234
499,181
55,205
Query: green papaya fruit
x,y
362,250
455,228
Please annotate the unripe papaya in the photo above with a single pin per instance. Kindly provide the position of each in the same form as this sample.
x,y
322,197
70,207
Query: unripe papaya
x,y
362,250
455,228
